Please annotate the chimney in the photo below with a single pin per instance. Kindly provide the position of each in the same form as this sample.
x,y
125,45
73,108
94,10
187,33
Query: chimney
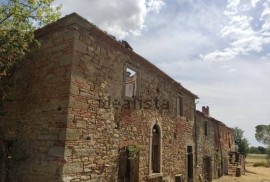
x,y
205,111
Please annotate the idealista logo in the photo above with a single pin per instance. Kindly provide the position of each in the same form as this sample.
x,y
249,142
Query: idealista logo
x,y
134,103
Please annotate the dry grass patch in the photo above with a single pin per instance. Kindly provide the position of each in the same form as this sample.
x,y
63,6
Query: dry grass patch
x,y
257,160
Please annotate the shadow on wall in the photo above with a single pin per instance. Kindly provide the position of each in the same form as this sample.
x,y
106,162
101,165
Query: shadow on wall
x,y
35,125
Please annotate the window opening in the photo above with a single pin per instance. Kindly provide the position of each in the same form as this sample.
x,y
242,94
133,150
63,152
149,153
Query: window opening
x,y
155,149
205,128
229,139
190,163
131,77
189,149
180,105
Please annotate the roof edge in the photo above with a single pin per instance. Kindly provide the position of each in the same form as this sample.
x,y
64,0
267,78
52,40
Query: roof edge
x,y
72,18
75,18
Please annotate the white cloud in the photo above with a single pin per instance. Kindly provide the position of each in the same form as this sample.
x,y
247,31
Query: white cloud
x,y
238,27
177,33
154,5
265,17
116,17
248,44
232,7
243,38
226,54
233,4
254,3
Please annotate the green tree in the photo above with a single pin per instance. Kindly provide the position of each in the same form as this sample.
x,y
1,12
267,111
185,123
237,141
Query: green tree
x,y
18,21
244,147
238,135
262,150
262,134
253,150
240,141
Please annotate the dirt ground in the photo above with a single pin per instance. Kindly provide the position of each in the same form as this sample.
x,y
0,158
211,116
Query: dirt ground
x,y
252,174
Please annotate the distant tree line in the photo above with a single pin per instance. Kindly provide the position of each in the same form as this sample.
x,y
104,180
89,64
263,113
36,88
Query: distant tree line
x,y
257,150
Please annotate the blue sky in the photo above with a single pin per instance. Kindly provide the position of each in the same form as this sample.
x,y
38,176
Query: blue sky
x,y
217,49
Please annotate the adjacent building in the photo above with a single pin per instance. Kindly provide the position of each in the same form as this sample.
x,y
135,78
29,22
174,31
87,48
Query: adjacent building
x,y
215,144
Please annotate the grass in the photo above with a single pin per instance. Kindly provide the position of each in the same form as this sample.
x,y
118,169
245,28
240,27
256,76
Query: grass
x,y
257,160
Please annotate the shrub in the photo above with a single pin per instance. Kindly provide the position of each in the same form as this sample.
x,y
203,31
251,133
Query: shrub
x,y
258,164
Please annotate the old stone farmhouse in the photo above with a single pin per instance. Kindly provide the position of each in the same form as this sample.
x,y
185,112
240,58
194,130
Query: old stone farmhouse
x,y
85,107
216,154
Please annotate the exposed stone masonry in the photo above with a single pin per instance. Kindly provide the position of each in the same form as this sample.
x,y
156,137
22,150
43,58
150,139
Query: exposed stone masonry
x,y
73,118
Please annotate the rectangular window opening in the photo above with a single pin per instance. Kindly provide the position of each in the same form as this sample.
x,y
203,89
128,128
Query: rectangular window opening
x,y
189,149
189,163
180,105
205,128
131,83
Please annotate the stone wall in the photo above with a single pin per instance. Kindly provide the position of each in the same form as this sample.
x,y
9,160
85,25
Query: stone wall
x,y
97,79
68,127
227,144
70,119
214,145
37,110
207,150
